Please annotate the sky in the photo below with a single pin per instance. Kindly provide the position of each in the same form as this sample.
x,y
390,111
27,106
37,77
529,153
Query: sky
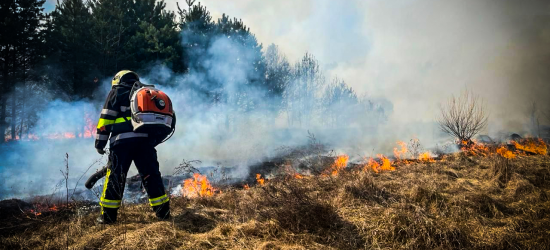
x,y
416,53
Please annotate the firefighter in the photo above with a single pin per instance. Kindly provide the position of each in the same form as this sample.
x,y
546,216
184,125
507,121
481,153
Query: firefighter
x,y
127,146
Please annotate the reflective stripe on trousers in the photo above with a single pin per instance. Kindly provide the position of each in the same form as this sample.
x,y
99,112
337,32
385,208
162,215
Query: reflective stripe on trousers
x,y
106,202
127,135
110,203
159,200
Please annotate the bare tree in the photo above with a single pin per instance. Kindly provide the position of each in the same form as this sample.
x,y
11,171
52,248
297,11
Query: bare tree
x,y
463,117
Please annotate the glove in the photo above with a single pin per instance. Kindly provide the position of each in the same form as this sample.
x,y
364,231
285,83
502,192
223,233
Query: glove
x,y
100,151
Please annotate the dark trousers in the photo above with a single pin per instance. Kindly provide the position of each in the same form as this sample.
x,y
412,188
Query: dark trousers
x,y
144,156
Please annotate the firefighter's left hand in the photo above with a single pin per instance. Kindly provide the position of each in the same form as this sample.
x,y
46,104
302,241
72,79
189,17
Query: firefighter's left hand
x,y
100,151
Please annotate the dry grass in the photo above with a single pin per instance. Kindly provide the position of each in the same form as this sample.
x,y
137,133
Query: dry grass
x,y
460,202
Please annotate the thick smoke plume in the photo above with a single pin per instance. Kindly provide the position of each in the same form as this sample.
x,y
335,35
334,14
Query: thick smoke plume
x,y
418,53
225,118
405,56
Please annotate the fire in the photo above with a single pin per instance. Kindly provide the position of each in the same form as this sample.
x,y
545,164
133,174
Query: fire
x,y
504,152
372,164
259,179
475,149
39,209
377,167
198,186
426,157
298,176
339,164
532,146
90,127
86,131
400,153
246,187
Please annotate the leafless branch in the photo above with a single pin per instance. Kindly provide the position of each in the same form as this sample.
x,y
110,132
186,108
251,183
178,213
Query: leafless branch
x,y
463,117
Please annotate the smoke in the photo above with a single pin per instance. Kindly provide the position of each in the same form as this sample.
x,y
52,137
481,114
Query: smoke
x,y
406,56
418,53
226,117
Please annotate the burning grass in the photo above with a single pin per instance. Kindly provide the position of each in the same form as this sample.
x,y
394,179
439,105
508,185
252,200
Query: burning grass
x,y
459,201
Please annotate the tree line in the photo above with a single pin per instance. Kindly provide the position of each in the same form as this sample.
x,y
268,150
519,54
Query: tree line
x,y
64,54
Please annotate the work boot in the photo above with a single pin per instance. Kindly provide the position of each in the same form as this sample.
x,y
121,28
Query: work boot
x,y
107,216
162,211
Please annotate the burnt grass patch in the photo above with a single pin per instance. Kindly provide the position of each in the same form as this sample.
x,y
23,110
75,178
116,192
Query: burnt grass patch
x,y
457,202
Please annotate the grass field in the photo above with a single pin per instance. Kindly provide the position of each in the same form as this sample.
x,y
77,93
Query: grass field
x,y
457,202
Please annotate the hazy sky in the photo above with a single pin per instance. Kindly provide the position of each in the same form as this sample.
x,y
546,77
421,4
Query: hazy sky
x,y
416,53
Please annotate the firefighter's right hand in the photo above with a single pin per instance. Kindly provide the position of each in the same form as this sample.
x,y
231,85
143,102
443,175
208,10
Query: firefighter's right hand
x,y
100,151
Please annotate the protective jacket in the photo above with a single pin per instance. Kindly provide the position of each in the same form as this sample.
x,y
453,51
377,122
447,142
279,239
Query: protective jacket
x,y
126,147
115,119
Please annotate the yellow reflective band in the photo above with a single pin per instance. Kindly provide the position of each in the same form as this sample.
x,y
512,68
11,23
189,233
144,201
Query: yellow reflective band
x,y
123,119
110,204
104,122
105,188
159,200
111,201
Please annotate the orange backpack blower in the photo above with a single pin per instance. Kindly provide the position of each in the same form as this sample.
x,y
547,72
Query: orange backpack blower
x,y
152,112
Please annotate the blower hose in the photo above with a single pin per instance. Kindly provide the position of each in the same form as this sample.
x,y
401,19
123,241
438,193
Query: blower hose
x,y
95,177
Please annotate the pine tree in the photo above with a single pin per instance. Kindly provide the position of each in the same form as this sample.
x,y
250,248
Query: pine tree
x,y
301,95
197,29
278,71
339,103
154,37
71,48
20,49
111,29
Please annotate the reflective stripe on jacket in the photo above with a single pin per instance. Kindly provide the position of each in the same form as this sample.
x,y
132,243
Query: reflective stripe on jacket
x,y
115,118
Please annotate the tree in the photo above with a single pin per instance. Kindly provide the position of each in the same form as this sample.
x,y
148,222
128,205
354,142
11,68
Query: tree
x,y
339,103
20,48
463,117
278,74
196,27
224,59
112,20
301,95
70,42
153,39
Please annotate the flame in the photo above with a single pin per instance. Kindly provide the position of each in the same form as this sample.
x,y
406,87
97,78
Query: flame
x,y
399,153
377,167
475,149
372,164
537,147
246,187
88,131
298,176
90,127
39,209
259,179
339,164
198,186
426,157
504,152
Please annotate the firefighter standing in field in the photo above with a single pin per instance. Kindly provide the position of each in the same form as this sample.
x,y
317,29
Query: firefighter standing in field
x,y
127,146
